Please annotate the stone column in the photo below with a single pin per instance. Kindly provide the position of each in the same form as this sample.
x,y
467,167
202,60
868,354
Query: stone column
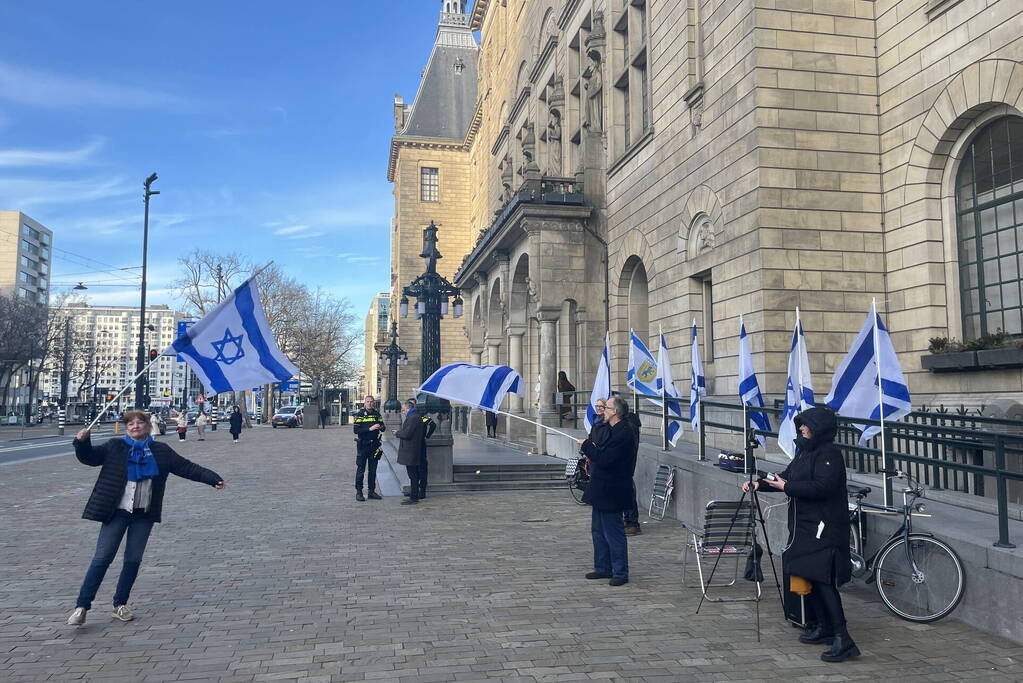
x,y
493,352
515,361
477,356
548,374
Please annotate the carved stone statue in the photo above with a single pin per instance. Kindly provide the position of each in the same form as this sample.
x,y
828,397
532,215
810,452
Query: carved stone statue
x,y
507,178
554,143
594,115
531,289
528,143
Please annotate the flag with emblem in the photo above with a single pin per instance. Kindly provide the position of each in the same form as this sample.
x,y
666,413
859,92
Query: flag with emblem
x,y
232,348
642,375
666,388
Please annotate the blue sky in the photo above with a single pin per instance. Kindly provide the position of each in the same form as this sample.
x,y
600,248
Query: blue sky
x,y
268,123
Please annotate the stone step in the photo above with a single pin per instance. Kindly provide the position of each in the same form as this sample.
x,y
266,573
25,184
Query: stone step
x,y
504,485
512,467
544,475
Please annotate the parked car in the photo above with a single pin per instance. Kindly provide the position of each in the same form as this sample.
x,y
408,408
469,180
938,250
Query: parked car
x,y
288,416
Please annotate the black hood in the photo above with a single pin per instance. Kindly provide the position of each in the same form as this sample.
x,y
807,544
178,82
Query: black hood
x,y
822,422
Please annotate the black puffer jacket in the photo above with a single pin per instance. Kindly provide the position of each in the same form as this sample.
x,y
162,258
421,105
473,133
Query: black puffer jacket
x,y
113,458
818,546
612,463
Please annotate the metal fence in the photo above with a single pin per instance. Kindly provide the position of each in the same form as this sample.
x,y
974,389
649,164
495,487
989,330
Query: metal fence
x,y
943,449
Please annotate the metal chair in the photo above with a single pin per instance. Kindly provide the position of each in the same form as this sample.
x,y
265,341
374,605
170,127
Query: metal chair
x,y
664,485
728,534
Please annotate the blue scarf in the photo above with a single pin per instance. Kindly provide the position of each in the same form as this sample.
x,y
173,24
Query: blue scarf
x,y
141,463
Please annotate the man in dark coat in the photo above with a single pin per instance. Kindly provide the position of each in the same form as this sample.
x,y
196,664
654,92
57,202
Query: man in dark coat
x,y
609,492
424,464
413,436
631,517
368,426
818,546
128,500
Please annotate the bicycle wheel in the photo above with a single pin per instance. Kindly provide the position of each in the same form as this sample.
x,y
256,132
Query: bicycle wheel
x,y
927,594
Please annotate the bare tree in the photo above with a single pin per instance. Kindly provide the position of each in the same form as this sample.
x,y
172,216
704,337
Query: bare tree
x,y
207,277
326,328
24,344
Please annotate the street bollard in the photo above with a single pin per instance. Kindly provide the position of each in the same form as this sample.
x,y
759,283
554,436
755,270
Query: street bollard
x,y
213,417
60,422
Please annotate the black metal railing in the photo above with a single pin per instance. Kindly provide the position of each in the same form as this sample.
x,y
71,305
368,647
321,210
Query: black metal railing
x,y
950,451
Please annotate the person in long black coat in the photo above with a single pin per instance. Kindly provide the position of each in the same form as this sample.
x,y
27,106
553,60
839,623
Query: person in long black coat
x,y
128,500
236,423
612,462
413,436
818,546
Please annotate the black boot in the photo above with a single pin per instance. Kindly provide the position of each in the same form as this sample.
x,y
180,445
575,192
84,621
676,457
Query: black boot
x,y
817,634
359,497
842,648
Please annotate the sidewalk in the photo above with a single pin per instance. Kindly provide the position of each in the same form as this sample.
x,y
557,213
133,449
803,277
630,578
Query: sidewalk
x,y
284,576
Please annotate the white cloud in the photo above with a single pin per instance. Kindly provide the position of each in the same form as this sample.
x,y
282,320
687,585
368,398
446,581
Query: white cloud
x,y
291,229
42,89
47,157
305,235
28,193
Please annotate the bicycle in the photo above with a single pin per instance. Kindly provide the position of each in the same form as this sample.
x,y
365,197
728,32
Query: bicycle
x,y
918,577
577,475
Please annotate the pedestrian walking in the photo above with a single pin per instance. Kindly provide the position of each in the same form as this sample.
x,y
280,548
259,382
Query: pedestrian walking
x,y
412,435
127,499
200,425
368,426
154,424
182,421
818,547
609,492
491,418
236,424
566,389
324,417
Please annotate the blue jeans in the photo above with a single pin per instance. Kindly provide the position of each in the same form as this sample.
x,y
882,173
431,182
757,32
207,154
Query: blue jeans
x,y
110,535
610,548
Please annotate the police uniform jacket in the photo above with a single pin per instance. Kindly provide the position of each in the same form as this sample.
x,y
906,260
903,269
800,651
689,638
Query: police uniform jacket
x,y
368,440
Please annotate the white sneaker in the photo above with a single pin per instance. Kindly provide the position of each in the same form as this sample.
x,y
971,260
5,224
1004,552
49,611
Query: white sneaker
x,y
123,613
77,617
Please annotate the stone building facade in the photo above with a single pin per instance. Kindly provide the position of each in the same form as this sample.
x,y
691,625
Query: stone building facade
x,y
377,326
429,167
648,163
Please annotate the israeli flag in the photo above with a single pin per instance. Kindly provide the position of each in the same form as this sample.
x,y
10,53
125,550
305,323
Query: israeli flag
x,y
798,391
698,384
666,387
480,386
232,348
749,387
642,375
601,384
870,377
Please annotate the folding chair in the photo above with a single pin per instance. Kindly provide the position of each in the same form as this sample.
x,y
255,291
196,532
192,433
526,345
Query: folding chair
x,y
664,484
727,535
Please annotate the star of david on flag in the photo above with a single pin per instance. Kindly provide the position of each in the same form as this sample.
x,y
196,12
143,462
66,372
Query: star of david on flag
x,y
232,348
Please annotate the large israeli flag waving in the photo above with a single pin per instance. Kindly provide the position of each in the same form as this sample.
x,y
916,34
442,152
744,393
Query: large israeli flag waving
x,y
601,384
480,386
642,375
666,387
870,377
749,387
232,348
798,390
697,384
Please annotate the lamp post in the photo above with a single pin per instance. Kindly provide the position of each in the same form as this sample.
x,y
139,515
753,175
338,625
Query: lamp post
x,y
140,358
394,354
431,290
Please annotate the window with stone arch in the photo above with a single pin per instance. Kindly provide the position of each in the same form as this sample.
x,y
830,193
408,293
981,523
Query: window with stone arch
x,y
989,222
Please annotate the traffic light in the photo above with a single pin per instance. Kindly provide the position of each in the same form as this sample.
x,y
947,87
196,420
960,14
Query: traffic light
x,y
109,398
153,354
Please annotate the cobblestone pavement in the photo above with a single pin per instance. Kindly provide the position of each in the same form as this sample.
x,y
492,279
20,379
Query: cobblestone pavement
x,y
285,576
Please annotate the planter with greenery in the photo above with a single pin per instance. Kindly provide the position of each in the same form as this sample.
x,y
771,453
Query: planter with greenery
x,y
991,351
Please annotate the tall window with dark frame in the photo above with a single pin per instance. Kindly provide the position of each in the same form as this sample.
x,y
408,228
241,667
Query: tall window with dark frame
x,y
630,78
429,184
989,213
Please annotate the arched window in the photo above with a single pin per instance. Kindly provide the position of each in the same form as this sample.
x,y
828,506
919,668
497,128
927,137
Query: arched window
x,y
989,212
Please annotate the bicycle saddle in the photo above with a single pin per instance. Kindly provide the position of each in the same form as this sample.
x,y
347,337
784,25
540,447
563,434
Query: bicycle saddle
x,y
858,491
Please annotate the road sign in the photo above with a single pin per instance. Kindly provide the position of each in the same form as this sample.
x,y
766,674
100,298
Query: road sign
x,y
290,385
183,326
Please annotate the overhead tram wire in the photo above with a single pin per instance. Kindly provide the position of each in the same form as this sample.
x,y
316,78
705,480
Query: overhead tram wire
x,y
70,255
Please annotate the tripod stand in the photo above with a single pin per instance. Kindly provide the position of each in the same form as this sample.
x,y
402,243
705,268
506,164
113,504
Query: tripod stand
x,y
749,516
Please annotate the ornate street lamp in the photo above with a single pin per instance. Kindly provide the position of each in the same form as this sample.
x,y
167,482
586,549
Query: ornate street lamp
x,y
431,290
394,354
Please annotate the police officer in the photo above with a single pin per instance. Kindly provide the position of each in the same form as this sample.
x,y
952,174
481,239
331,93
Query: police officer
x,y
430,426
368,426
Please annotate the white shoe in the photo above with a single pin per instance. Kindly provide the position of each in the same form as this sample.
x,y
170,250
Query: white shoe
x,y
77,617
123,613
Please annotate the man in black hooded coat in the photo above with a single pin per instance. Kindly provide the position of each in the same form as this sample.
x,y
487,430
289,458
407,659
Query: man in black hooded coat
x,y
818,546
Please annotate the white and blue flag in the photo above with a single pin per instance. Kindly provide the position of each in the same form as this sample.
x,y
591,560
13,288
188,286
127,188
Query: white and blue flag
x,y
642,375
798,390
666,387
697,385
232,348
601,384
868,377
749,387
479,386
